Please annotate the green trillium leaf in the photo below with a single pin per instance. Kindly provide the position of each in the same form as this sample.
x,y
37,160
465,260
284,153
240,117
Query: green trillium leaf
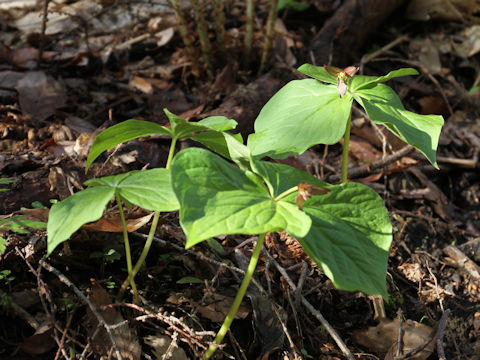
x,y
149,189
360,81
350,237
70,214
120,133
182,128
301,114
383,106
218,198
318,72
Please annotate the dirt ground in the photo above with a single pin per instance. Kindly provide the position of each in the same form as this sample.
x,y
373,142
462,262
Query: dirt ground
x,y
94,64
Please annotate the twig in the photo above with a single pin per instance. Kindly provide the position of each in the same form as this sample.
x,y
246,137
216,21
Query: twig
x,y
415,351
267,46
64,335
369,168
400,332
21,312
41,40
463,262
441,328
314,312
99,317
301,282
173,322
369,57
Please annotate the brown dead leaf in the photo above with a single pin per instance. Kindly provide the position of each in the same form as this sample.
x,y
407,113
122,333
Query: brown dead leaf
x,y
36,214
114,224
41,341
141,84
380,338
22,56
412,272
125,338
449,10
189,114
218,306
433,105
40,95
363,150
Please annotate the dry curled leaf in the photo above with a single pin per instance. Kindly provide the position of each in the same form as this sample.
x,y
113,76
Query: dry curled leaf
x,y
380,338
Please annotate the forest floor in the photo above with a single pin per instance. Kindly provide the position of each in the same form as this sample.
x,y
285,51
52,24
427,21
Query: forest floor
x,y
97,63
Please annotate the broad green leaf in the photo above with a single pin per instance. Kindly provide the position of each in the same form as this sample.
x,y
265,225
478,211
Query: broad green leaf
x,y
360,81
149,189
218,123
182,128
280,177
120,133
383,106
302,114
227,145
110,181
69,215
318,72
350,237
218,198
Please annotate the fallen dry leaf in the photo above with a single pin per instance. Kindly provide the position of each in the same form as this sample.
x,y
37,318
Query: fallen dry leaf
x,y
125,338
380,338
114,224
40,95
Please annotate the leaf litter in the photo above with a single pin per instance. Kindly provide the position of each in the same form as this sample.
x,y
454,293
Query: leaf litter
x,y
49,113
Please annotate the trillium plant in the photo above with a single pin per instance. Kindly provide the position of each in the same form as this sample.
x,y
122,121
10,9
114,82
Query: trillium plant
x,y
233,189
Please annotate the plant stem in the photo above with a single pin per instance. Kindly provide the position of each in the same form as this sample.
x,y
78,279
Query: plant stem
x,y
143,255
171,153
183,30
346,140
249,32
285,193
267,46
219,25
203,36
238,299
127,248
148,242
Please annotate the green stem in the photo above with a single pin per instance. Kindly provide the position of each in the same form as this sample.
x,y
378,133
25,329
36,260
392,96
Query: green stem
x,y
267,46
285,193
127,248
346,140
143,255
238,299
148,243
171,153
249,31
